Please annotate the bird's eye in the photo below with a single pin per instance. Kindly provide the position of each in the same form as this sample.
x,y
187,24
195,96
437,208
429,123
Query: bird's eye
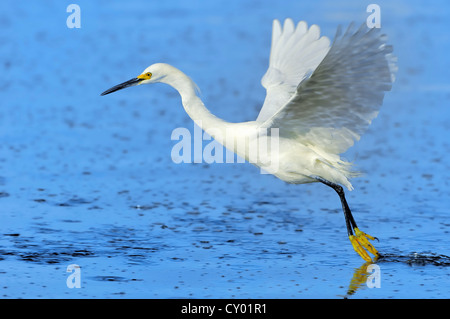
x,y
145,76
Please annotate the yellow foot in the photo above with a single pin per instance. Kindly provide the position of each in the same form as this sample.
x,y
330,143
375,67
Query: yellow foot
x,y
360,242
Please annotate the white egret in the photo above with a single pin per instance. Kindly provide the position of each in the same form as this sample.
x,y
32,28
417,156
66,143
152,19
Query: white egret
x,y
321,97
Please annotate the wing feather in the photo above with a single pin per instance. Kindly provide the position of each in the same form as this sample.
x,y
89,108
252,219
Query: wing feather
x,y
336,104
295,52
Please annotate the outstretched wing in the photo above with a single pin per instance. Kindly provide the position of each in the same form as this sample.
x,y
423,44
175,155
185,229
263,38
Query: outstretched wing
x,y
336,104
295,53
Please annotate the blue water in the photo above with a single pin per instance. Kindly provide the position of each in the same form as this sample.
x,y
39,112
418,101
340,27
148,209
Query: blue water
x,y
89,180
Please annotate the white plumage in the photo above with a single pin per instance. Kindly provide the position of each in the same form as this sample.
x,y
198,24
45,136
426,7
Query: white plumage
x,y
321,98
325,97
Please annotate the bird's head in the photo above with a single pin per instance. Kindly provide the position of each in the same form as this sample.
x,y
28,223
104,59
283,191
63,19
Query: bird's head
x,y
153,74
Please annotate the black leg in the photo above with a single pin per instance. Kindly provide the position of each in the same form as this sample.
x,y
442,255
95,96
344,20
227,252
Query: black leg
x,y
349,220
359,239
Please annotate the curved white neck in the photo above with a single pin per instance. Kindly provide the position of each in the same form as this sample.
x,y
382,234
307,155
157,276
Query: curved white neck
x,y
193,105
226,133
191,102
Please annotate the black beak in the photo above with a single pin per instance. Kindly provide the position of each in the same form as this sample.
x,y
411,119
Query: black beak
x,y
123,85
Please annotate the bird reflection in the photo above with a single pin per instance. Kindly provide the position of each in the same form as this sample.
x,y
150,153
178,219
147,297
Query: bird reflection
x,y
360,278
